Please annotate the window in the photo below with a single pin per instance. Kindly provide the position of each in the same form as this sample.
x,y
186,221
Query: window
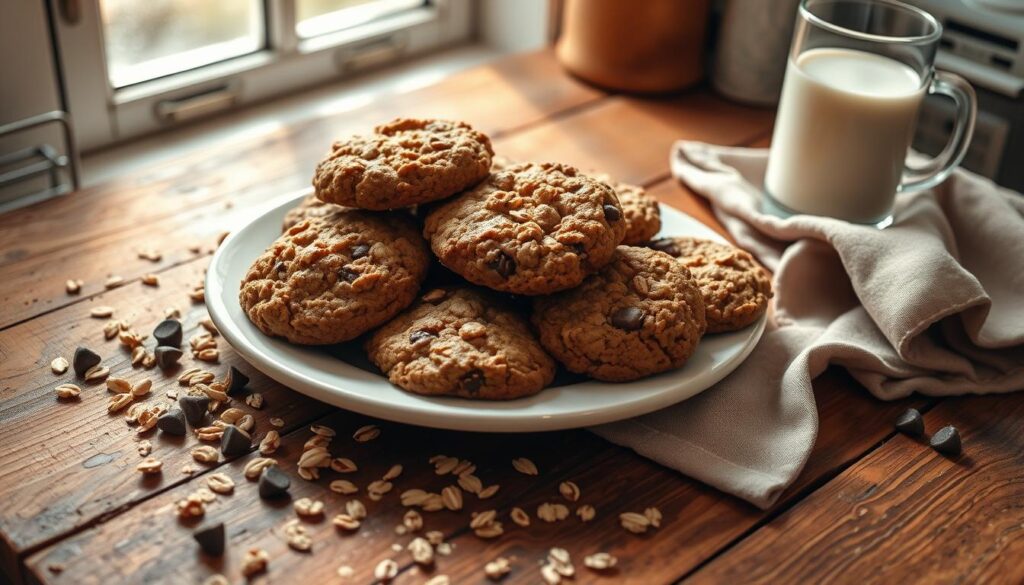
x,y
134,66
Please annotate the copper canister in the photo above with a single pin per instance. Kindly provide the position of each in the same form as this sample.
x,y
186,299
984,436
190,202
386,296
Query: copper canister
x,y
645,46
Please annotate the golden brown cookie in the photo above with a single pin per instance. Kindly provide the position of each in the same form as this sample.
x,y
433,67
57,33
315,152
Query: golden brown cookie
x,y
332,278
736,288
640,210
530,229
308,208
406,162
640,315
461,342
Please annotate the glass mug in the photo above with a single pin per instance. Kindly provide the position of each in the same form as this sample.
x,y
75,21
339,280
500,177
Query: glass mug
x,y
857,73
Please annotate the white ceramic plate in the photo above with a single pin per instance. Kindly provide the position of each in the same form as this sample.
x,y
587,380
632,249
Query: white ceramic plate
x,y
328,374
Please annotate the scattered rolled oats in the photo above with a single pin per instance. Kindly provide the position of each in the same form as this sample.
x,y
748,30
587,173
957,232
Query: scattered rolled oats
x,y
130,339
101,312
654,515
421,550
488,491
198,294
525,466
231,415
492,530
560,560
600,561
73,287
208,324
412,520
346,522
392,473
254,562
452,497
308,507
443,465
205,495
97,373
119,385
119,402
345,571
366,433
254,468
59,365
549,575
484,518
633,522
210,433
205,454
315,457
276,422
138,356
150,280
150,254
211,392
586,512
519,516
343,465
569,490
297,536
271,441
413,497
172,313
470,483
433,503
185,379
378,488
220,483
144,448
113,281
355,509
149,465
439,579
142,388
316,441
255,400
343,486
386,570
147,418
464,467
497,568
435,537
111,329
68,391
552,512
246,423
208,355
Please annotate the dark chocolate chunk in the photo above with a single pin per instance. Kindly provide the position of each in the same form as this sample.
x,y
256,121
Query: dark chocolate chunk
x,y
665,245
211,539
172,422
347,274
167,356
234,442
472,381
85,359
579,249
360,251
504,265
420,335
612,213
274,483
194,408
168,333
238,380
628,318
280,268
947,441
910,423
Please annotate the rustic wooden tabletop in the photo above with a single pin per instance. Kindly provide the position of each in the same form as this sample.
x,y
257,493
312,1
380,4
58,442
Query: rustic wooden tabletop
x,y
870,506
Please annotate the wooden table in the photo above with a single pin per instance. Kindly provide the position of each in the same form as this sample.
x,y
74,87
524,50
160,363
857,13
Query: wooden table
x,y
871,505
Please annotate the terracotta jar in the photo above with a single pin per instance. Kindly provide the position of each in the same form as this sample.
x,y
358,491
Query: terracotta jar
x,y
646,46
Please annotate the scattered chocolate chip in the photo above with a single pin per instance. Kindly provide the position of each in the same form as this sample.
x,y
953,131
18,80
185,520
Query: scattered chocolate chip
x,y
612,213
234,442
84,360
472,381
910,423
360,251
274,483
420,335
167,356
947,441
172,422
347,274
280,268
665,245
580,249
504,265
168,333
628,318
194,408
238,380
211,539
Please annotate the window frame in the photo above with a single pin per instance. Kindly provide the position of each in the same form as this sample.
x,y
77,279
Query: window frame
x,y
104,115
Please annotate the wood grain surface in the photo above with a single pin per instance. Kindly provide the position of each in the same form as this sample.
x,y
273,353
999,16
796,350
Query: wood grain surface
x,y
869,506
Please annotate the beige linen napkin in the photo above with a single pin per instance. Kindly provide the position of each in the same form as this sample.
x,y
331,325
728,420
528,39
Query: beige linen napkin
x,y
934,304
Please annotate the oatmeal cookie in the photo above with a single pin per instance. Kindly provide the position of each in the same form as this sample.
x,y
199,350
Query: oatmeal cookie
x,y
332,278
404,163
639,210
461,342
640,315
736,288
530,229
308,208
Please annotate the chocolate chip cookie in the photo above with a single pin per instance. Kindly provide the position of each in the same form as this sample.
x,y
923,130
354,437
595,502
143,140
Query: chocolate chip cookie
x,y
461,342
332,278
639,210
736,288
640,315
310,206
406,162
530,229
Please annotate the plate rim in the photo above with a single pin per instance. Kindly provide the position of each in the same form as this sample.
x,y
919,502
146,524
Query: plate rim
x,y
453,419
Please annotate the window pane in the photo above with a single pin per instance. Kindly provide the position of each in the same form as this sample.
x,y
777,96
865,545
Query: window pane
x,y
317,17
146,39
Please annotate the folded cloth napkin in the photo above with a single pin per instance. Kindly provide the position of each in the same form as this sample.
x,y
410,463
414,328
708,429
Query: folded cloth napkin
x,y
933,304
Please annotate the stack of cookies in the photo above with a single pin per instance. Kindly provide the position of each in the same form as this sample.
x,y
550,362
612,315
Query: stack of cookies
x,y
543,263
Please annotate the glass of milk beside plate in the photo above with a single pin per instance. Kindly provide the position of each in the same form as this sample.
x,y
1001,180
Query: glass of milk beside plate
x,y
857,72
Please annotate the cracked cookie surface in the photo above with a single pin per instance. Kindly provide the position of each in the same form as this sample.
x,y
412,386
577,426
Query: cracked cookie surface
x,y
405,162
640,315
735,287
332,278
461,342
529,229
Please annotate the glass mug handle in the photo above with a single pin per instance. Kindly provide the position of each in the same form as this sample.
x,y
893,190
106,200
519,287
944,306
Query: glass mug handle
x,y
937,169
